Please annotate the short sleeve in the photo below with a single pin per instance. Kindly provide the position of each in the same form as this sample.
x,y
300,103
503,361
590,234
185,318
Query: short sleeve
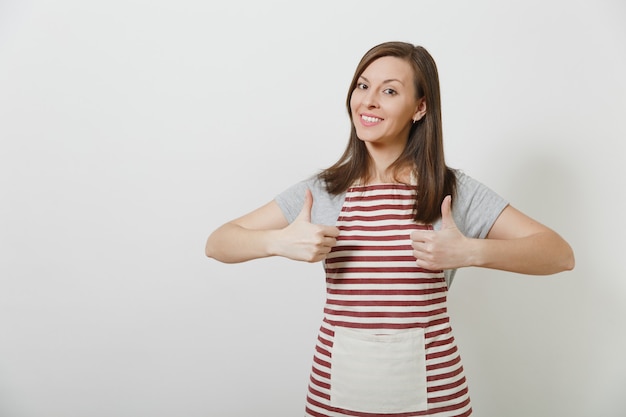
x,y
326,207
475,209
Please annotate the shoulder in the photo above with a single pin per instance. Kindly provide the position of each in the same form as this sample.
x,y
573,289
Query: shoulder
x,y
466,184
326,206
475,206
470,191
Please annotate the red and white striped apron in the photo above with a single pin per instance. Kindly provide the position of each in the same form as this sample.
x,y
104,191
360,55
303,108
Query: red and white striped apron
x,y
385,347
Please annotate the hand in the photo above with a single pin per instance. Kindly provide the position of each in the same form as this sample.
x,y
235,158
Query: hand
x,y
304,241
443,249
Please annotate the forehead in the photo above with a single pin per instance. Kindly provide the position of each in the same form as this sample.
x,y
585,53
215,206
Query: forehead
x,y
388,68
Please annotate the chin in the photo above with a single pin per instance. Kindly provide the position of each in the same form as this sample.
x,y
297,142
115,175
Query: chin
x,y
366,137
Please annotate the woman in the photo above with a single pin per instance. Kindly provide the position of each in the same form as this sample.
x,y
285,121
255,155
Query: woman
x,y
392,223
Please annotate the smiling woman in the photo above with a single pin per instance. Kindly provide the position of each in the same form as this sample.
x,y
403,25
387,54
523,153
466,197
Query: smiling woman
x,y
390,100
392,223
414,108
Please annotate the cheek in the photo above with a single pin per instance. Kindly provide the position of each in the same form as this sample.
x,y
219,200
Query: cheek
x,y
408,111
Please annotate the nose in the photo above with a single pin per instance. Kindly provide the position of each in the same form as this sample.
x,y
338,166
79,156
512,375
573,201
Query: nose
x,y
370,100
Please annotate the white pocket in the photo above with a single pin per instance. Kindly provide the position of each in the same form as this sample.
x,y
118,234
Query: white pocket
x,y
378,373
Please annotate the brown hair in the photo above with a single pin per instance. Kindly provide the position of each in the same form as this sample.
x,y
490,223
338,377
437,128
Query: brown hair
x,y
423,153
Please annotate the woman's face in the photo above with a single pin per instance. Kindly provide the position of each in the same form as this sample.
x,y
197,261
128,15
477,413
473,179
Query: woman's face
x,y
383,103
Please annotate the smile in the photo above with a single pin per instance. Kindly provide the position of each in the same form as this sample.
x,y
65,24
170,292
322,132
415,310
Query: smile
x,y
370,119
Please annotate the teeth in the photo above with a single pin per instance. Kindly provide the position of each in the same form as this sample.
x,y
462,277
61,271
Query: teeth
x,y
371,119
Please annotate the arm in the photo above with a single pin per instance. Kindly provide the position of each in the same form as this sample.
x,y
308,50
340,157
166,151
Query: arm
x,y
515,243
266,232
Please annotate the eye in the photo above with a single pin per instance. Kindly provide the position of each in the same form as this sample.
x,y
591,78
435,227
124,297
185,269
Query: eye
x,y
390,91
361,86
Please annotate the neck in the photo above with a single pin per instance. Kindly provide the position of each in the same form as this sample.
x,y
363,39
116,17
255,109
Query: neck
x,y
381,158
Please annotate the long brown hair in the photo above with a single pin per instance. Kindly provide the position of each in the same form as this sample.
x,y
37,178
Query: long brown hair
x,y
423,153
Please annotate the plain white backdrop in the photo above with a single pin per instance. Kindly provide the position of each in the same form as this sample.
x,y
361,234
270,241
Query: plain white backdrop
x,y
129,130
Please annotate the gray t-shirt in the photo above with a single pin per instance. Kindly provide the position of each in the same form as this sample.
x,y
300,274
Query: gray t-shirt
x,y
475,207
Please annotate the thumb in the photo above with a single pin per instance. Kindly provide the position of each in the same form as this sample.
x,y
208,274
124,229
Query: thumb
x,y
447,221
305,213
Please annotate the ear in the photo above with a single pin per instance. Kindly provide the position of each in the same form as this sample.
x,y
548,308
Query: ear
x,y
420,111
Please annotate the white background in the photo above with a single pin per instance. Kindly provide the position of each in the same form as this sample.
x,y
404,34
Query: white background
x,y
130,129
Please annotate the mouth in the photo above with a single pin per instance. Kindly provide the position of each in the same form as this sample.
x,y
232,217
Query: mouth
x,y
370,119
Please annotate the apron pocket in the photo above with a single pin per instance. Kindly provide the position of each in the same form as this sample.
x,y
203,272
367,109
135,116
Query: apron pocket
x,y
378,373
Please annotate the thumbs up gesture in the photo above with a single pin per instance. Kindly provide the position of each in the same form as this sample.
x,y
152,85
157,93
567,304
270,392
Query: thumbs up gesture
x,y
441,249
305,241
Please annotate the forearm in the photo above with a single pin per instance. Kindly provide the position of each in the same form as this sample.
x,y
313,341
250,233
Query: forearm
x,y
232,243
542,253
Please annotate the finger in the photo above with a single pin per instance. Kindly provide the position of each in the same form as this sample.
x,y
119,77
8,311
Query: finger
x,y
325,250
419,235
447,220
420,263
418,253
329,242
331,231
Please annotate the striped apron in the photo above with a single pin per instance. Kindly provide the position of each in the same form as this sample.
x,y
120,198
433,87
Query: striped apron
x,y
385,346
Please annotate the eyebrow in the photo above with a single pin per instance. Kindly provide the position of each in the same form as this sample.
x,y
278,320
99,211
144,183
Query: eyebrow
x,y
384,82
